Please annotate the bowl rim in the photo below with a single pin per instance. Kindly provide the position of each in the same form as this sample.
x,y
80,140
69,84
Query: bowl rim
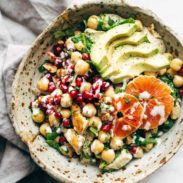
x,y
46,30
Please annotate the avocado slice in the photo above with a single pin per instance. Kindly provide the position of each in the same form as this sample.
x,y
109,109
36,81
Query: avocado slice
x,y
93,34
122,53
100,47
135,66
135,39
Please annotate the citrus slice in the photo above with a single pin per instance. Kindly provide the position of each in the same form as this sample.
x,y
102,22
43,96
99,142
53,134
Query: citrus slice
x,y
131,114
155,96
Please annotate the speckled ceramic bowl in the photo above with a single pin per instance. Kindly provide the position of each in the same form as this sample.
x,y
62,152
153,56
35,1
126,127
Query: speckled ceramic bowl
x,y
49,159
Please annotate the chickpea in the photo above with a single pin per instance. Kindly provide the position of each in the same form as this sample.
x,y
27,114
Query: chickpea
x,y
89,110
85,86
75,56
92,22
108,155
53,121
116,143
81,67
38,115
162,71
77,32
97,147
178,81
171,72
139,25
66,113
109,92
79,46
103,136
42,84
148,147
44,129
176,64
69,44
95,121
175,113
139,153
66,100
56,92
150,73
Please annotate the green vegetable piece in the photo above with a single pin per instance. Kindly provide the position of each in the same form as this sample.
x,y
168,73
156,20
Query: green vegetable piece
x,y
53,144
51,136
165,127
94,130
102,165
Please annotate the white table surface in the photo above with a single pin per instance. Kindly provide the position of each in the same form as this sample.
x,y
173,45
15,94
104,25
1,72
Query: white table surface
x,y
171,12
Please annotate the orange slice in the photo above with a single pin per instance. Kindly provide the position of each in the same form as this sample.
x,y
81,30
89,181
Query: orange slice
x,y
155,96
132,113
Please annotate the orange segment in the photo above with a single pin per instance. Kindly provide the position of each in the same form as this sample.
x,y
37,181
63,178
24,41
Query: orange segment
x,y
132,112
155,96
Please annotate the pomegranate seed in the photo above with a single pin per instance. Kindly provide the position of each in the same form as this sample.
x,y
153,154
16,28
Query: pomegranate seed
x,y
57,50
43,106
78,81
30,105
79,98
96,78
51,87
73,93
180,72
62,140
181,92
133,149
85,56
57,99
49,100
49,76
51,56
66,79
58,63
63,87
87,95
66,123
106,128
58,115
49,110
105,85
98,95
95,86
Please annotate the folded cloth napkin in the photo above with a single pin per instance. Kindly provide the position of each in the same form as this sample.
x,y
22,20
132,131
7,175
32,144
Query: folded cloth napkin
x,y
20,22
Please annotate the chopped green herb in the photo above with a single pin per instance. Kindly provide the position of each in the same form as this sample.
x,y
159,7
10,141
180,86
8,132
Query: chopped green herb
x,y
60,34
167,125
51,136
169,80
53,144
94,130
41,67
102,165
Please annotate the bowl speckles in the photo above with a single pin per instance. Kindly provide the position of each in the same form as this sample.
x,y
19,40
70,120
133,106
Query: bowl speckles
x,y
50,160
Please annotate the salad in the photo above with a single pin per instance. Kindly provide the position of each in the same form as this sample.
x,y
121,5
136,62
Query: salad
x,y
108,91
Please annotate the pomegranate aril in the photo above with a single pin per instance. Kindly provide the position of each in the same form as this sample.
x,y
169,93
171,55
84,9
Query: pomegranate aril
x,y
64,87
66,79
106,128
73,93
87,95
181,92
96,78
49,100
133,149
79,98
49,110
62,140
105,85
52,57
58,63
95,86
57,99
51,87
78,81
98,95
43,106
66,123
49,76
58,115
180,72
85,56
